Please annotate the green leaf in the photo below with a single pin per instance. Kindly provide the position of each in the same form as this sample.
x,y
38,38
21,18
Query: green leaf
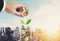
x,y
22,22
28,21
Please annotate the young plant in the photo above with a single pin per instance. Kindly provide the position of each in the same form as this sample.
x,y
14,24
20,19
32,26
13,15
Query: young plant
x,y
25,23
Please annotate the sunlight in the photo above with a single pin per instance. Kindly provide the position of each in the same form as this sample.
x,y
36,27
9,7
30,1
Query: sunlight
x,y
51,30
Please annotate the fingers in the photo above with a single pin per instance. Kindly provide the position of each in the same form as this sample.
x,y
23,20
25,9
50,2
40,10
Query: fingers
x,y
26,8
20,10
23,6
17,13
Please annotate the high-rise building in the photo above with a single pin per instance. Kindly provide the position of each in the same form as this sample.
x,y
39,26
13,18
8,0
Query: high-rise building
x,y
16,33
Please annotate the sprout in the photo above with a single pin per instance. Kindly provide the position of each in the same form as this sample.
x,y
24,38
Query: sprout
x,y
26,23
22,22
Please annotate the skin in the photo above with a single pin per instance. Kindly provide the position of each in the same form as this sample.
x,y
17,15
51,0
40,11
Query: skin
x,y
12,6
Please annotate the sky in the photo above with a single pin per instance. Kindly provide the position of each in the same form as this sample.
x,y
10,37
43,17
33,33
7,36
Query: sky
x,y
7,19
44,14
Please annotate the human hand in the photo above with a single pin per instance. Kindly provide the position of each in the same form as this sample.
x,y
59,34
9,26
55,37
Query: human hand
x,y
16,8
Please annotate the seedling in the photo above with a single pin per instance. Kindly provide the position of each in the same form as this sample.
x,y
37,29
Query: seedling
x,y
25,23
25,30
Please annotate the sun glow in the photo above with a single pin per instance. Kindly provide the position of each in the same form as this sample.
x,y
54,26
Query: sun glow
x,y
51,30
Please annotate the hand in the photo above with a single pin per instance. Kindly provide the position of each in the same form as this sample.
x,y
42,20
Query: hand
x,y
12,6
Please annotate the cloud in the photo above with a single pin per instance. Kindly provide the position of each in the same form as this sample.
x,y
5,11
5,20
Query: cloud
x,y
47,16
